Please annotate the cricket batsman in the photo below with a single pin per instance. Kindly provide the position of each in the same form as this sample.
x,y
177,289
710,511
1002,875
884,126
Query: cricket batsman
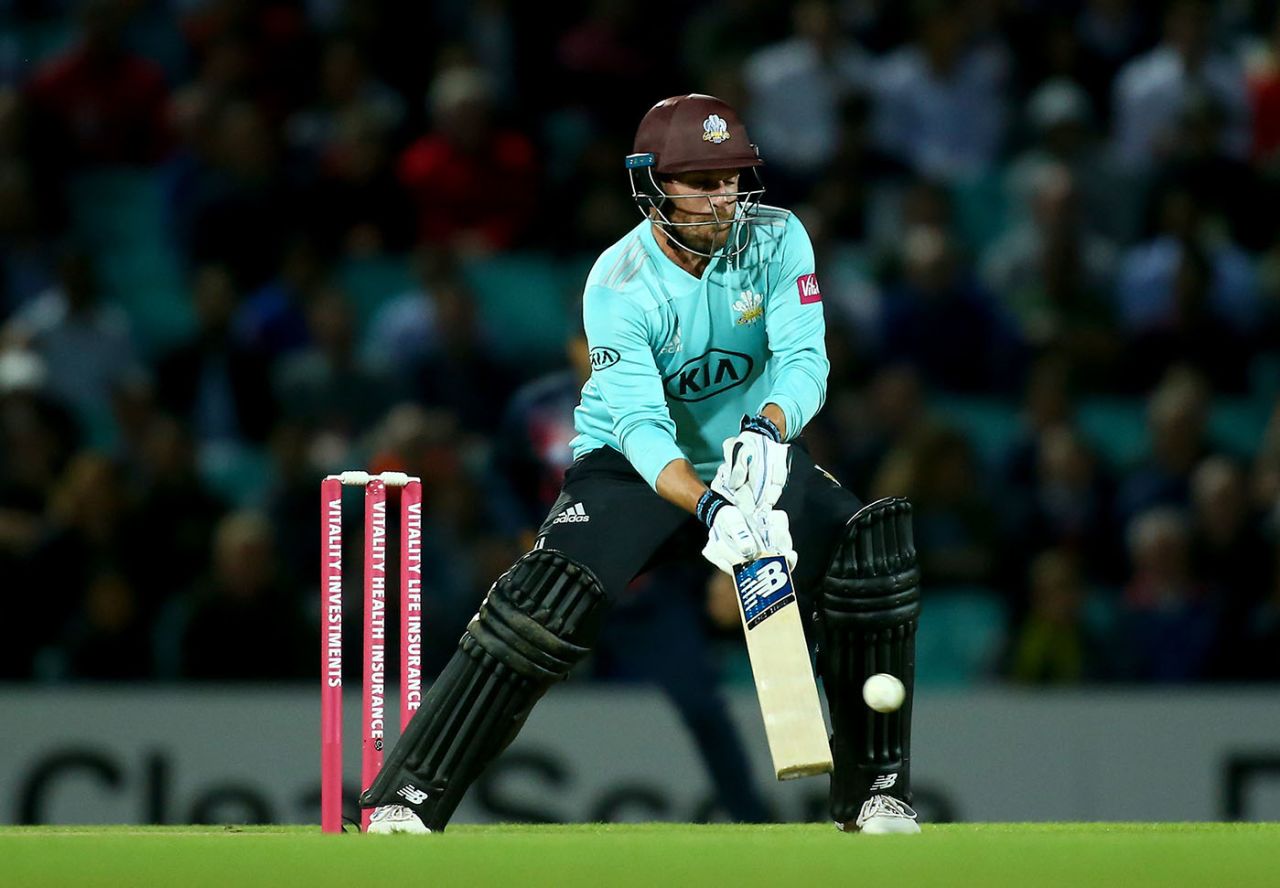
x,y
706,333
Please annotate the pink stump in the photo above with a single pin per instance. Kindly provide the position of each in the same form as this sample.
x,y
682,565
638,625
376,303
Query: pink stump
x,y
410,601
373,724
331,655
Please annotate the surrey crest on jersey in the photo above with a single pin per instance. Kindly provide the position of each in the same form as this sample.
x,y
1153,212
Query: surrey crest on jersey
x,y
750,308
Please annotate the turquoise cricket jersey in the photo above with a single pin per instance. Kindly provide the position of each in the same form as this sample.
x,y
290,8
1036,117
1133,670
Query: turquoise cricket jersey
x,y
677,360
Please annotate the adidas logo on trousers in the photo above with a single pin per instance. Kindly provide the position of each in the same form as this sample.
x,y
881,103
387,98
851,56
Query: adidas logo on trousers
x,y
574,513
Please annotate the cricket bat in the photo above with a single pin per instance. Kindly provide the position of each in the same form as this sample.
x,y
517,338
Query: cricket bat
x,y
780,663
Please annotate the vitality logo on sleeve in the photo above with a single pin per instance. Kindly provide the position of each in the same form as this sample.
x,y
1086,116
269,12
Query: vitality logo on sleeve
x,y
807,284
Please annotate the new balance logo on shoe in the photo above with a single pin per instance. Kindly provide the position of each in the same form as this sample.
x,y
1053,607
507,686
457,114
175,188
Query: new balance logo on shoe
x,y
575,513
414,795
884,781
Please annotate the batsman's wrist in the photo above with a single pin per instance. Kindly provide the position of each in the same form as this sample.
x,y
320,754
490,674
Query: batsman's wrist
x,y
709,505
762,425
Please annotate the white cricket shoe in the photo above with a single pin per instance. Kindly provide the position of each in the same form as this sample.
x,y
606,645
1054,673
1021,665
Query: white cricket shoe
x,y
883,815
389,819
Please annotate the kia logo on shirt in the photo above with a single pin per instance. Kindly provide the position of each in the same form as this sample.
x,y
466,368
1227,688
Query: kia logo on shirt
x,y
602,357
708,375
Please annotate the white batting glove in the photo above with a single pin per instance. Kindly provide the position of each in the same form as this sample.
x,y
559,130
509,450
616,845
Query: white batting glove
x,y
735,537
774,530
731,538
756,464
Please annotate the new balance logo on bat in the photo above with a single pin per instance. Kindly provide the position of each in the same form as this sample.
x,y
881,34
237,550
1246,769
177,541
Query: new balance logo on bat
x,y
575,513
884,781
414,795
768,579
763,588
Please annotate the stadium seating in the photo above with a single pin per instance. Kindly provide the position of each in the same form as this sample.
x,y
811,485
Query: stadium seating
x,y
992,425
523,299
1116,428
960,639
238,474
119,214
980,211
372,281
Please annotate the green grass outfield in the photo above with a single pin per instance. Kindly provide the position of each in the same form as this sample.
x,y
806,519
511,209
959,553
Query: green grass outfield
x,y
1025,855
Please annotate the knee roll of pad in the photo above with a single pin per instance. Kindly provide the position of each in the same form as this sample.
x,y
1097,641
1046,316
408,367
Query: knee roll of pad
x,y
873,581
537,622
540,618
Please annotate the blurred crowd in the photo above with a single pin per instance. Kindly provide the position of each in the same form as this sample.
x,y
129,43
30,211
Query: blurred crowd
x,y
1026,213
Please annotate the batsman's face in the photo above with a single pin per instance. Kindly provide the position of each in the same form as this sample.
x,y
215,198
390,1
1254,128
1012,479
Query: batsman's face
x,y
703,196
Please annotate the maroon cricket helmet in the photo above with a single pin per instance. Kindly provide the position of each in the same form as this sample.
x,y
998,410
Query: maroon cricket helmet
x,y
693,132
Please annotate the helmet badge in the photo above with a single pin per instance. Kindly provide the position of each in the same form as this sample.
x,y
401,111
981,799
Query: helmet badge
x,y
715,130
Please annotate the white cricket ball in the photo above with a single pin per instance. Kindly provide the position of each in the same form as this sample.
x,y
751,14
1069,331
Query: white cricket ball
x,y
883,692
